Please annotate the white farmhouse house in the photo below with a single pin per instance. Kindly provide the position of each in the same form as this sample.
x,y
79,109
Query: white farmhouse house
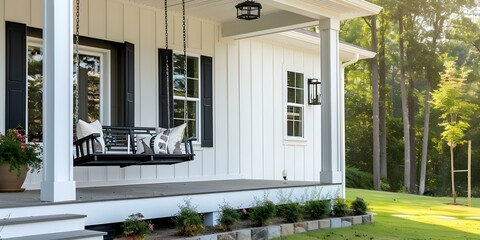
x,y
246,94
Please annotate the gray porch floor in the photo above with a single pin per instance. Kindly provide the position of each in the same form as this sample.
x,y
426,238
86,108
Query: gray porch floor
x,y
111,193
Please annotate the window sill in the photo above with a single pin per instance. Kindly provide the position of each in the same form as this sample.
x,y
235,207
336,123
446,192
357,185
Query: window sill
x,y
295,141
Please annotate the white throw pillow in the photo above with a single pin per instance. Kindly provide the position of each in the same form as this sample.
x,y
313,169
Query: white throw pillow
x,y
84,129
143,144
175,137
158,143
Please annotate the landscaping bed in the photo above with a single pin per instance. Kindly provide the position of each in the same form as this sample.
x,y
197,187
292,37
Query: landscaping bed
x,y
277,228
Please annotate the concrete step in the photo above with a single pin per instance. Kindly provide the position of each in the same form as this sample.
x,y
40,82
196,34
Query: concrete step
x,y
35,225
71,235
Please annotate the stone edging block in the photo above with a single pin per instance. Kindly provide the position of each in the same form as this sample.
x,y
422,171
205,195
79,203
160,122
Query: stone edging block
x,y
275,231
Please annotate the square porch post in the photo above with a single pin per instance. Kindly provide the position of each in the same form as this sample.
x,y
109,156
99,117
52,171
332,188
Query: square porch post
x,y
332,109
57,184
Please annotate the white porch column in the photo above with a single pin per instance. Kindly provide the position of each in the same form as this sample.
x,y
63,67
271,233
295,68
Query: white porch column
x,y
57,184
332,109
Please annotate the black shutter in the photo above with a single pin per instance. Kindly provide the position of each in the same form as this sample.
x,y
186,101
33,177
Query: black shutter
x,y
129,85
16,75
165,56
207,101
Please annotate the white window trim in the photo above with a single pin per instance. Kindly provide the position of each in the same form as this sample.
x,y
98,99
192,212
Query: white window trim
x,y
105,83
287,138
199,99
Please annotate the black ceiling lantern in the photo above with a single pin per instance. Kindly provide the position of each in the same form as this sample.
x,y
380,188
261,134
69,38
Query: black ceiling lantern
x,y
248,10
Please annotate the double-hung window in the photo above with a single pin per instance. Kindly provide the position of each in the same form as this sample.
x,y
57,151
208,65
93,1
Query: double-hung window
x,y
92,95
295,104
186,94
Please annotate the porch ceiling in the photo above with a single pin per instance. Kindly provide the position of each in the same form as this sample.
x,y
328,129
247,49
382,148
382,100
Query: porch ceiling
x,y
277,15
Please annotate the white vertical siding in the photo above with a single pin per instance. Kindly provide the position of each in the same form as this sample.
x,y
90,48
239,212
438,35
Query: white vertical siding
x,y
114,17
249,94
233,132
97,19
37,16
256,79
267,111
278,110
245,108
14,8
221,109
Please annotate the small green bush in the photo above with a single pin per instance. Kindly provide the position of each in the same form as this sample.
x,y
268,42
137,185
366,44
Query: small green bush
x,y
355,178
317,209
135,226
340,208
384,185
291,212
188,221
261,214
359,206
228,217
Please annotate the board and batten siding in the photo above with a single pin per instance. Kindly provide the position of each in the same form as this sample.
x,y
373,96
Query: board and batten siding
x,y
249,95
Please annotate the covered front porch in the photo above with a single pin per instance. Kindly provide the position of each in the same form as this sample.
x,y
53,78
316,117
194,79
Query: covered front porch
x,y
249,136
112,204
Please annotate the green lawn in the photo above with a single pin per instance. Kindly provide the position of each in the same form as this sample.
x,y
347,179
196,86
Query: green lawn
x,y
405,216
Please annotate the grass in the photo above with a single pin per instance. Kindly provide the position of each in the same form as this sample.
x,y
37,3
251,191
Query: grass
x,y
406,216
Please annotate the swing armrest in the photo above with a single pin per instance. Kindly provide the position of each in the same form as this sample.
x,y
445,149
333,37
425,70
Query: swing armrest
x,y
189,145
87,142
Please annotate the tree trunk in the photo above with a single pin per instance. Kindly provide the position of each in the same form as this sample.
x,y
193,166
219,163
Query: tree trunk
x,y
454,193
411,129
426,125
382,73
406,177
376,130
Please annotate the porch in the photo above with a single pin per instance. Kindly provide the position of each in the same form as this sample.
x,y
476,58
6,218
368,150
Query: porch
x,y
111,204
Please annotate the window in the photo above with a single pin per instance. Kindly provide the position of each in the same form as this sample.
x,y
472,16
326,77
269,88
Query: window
x,y
186,94
90,83
295,103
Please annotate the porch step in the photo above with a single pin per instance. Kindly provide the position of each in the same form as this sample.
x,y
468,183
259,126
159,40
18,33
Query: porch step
x,y
72,235
47,227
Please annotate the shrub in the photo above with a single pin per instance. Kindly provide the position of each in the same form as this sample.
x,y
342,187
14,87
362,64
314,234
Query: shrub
x,y
135,226
384,185
291,212
317,209
340,208
355,178
228,217
359,206
261,214
188,221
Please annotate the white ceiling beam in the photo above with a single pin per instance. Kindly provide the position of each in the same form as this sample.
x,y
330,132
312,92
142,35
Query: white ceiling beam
x,y
267,24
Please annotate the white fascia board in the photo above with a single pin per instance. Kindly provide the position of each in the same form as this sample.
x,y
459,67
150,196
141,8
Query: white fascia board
x,y
339,9
272,23
347,51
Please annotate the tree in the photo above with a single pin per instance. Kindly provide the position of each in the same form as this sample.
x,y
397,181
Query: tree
x,y
375,110
450,100
406,177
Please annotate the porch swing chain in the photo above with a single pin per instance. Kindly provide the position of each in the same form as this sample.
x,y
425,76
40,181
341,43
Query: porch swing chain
x,y
77,62
167,66
185,107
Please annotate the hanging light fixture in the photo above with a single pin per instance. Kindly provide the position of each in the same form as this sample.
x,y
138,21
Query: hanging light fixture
x,y
248,10
314,91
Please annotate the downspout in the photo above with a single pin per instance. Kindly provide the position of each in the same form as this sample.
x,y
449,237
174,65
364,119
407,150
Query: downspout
x,y
342,119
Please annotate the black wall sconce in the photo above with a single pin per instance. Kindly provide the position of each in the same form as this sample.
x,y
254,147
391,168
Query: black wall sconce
x,y
314,91
248,10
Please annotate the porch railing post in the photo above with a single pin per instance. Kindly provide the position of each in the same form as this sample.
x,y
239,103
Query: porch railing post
x,y
332,109
58,183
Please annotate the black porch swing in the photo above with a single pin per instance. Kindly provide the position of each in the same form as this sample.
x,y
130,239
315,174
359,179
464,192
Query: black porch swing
x,y
121,142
